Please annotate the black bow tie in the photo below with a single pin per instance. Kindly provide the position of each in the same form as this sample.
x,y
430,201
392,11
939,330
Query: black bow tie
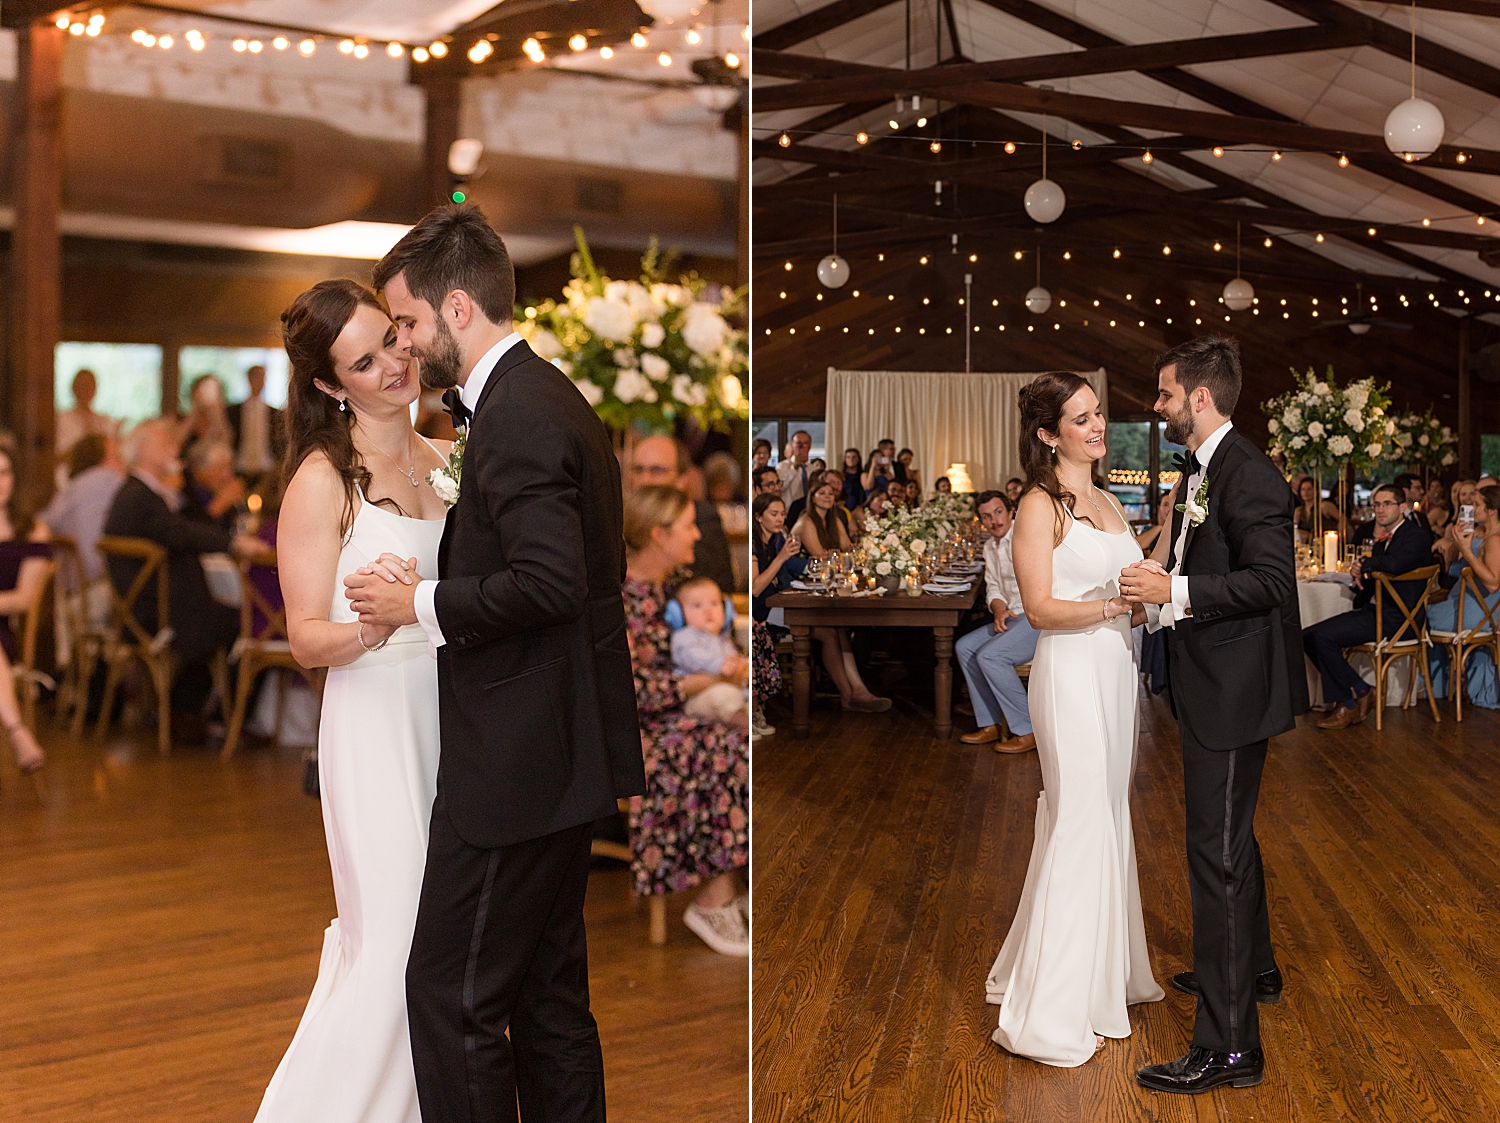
x,y
1188,465
453,402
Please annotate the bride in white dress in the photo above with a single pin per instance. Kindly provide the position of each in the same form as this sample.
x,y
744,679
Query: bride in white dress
x,y
359,490
1076,954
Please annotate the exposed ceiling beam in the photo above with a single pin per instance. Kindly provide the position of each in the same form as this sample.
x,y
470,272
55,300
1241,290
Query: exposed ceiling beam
x,y
817,22
870,81
1397,41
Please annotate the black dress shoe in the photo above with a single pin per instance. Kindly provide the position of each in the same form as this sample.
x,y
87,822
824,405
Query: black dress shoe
x,y
1267,985
1203,1069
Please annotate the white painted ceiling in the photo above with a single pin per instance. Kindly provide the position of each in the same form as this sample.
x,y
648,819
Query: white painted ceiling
x,y
1350,89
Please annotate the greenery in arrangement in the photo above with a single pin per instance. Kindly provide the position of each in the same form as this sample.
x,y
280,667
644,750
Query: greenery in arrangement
x,y
1422,442
644,352
1320,427
900,540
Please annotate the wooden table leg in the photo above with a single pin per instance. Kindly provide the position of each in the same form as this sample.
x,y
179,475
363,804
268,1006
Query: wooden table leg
x,y
801,679
942,682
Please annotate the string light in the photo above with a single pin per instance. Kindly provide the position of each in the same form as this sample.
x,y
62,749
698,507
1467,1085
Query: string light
x,y
664,59
1117,253
1010,148
606,52
1319,239
921,122
438,49
1267,243
785,142
861,137
693,37
1078,146
481,51
1218,246
195,39
732,61
238,44
346,46
936,146
281,42
395,50
1276,156
1067,255
1371,231
418,54
1218,151
1343,160
1461,158
1146,158
922,260
1479,219
638,41
1427,222
1018,255
893,124
1166,251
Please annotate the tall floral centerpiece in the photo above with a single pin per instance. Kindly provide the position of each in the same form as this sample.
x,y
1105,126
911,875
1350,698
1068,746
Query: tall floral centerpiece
x,y
1326,431
1421,442
907,538
647,351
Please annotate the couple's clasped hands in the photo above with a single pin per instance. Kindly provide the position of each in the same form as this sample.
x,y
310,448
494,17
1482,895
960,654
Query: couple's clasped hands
x,y
1146,582
383,593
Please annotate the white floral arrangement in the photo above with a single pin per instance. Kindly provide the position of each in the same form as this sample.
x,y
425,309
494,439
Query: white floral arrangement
x,y
645,351
899,541
1421,441
1318,427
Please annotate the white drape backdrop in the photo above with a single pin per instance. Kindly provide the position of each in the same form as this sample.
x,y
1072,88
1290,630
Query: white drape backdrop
x,y
942,416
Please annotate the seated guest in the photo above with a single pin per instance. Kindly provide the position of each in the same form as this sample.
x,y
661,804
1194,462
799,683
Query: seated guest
x,y
259,430
1306,506
664,461
760,454
23,572
148,505
853,485
1405,547
691,829
880,468
1412,492
820,529
1013,489
913,493
1461,494
874,508
1438,516
207,420
96,471
944,486
700,647
764,481
213,491
1435,492
990,654
894,467
839,508
907,473
1479,550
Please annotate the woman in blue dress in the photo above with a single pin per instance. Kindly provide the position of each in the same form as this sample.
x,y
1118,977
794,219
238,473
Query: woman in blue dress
x,y
1481,553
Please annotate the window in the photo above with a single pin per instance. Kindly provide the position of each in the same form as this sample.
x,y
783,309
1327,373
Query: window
x,y
1489,455
128,374
229,365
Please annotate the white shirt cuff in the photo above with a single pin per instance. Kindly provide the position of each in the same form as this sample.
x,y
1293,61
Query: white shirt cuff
x,y
425,604
1181,608
1154,617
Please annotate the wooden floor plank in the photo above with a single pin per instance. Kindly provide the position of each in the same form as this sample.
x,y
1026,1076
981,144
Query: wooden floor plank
x,y
160,927
1382,856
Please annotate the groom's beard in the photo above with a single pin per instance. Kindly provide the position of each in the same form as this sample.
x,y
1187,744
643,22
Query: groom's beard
x,y
440,365
1179,425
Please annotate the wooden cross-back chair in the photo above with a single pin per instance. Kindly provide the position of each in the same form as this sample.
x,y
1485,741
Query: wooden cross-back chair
x,y
1464,641
27,674
126,639
1409,641
85,641
269,647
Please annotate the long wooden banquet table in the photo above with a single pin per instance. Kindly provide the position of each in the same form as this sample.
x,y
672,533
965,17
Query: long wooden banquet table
x,y
941,612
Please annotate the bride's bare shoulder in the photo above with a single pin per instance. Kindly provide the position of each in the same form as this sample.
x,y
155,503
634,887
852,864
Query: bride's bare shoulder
x,y
315,486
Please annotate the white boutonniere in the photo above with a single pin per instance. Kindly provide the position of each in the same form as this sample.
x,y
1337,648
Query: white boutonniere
x,y
1196,507
445,481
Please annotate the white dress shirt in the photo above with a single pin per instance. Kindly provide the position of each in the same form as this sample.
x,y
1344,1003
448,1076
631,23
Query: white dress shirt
x,y
793,477
1000,572
255,438
1179,607
473,387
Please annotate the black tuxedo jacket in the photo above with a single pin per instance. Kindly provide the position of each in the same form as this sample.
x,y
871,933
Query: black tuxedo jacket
x,y
536,691
1236,663
1409,547
196,618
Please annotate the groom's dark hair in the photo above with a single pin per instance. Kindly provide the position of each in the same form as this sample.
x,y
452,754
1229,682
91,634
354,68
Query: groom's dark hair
x,y
1210,361
454,247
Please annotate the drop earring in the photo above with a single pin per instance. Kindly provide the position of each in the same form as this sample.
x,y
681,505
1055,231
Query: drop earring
x,y
343,406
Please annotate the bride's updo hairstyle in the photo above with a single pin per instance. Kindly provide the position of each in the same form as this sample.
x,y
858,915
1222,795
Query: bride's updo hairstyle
x,y
1042,401
315,423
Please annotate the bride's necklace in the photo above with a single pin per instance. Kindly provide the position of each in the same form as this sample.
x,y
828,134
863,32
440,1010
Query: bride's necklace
x,y
409,473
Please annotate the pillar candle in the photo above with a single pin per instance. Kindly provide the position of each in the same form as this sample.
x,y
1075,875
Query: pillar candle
x,y
1330,551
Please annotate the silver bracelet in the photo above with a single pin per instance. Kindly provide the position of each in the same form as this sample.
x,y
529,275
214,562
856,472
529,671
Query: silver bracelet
x,y
360,635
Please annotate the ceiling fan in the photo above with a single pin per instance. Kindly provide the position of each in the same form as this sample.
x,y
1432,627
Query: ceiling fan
x,y
1363,321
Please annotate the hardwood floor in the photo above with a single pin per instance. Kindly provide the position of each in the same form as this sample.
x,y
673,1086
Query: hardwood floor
x,y
888,866
160,924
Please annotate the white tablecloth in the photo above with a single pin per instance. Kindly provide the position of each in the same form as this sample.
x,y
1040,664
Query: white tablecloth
x,y
1317,601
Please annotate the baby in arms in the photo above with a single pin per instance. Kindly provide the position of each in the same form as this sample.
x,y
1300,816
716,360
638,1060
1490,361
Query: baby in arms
x,y
700,647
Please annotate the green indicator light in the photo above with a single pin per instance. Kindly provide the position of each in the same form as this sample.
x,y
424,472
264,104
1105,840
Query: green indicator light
x,y
459,197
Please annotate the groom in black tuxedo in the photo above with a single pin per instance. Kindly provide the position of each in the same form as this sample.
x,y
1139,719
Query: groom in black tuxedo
x,y
1228,598
540,735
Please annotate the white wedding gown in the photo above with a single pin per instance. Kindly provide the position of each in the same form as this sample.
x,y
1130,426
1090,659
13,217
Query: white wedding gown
x,y
350,1060
1076,954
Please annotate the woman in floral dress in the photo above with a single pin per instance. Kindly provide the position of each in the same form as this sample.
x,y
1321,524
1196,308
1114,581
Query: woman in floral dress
x,y
691,828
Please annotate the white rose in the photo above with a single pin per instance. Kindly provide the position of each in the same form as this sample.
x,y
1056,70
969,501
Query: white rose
x,y
1448,458
652,335
1390,428
918,547
1292,418
1273,425
1374,450
1354,419
1194,511
1434,422
655,366
545,344
611,319
1315,430
1340,445
892,540
1298,442
703,329
673,295
444,485
883,568
1447,433
631,386
1424,440
625,358
592,392
1320,389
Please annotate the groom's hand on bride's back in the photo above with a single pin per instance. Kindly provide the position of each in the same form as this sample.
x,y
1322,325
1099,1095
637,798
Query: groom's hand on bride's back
x,y
383,591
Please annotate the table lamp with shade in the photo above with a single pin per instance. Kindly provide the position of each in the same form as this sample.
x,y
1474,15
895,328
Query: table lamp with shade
x,y
958,479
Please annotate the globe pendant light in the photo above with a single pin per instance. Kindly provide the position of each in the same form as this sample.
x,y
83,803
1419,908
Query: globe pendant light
x,y
1044,199
833,270
1414,129
1038,299
1239,293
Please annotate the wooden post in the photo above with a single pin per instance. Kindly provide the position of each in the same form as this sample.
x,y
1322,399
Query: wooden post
x,y
742,161
444,101
1466,450
36,265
